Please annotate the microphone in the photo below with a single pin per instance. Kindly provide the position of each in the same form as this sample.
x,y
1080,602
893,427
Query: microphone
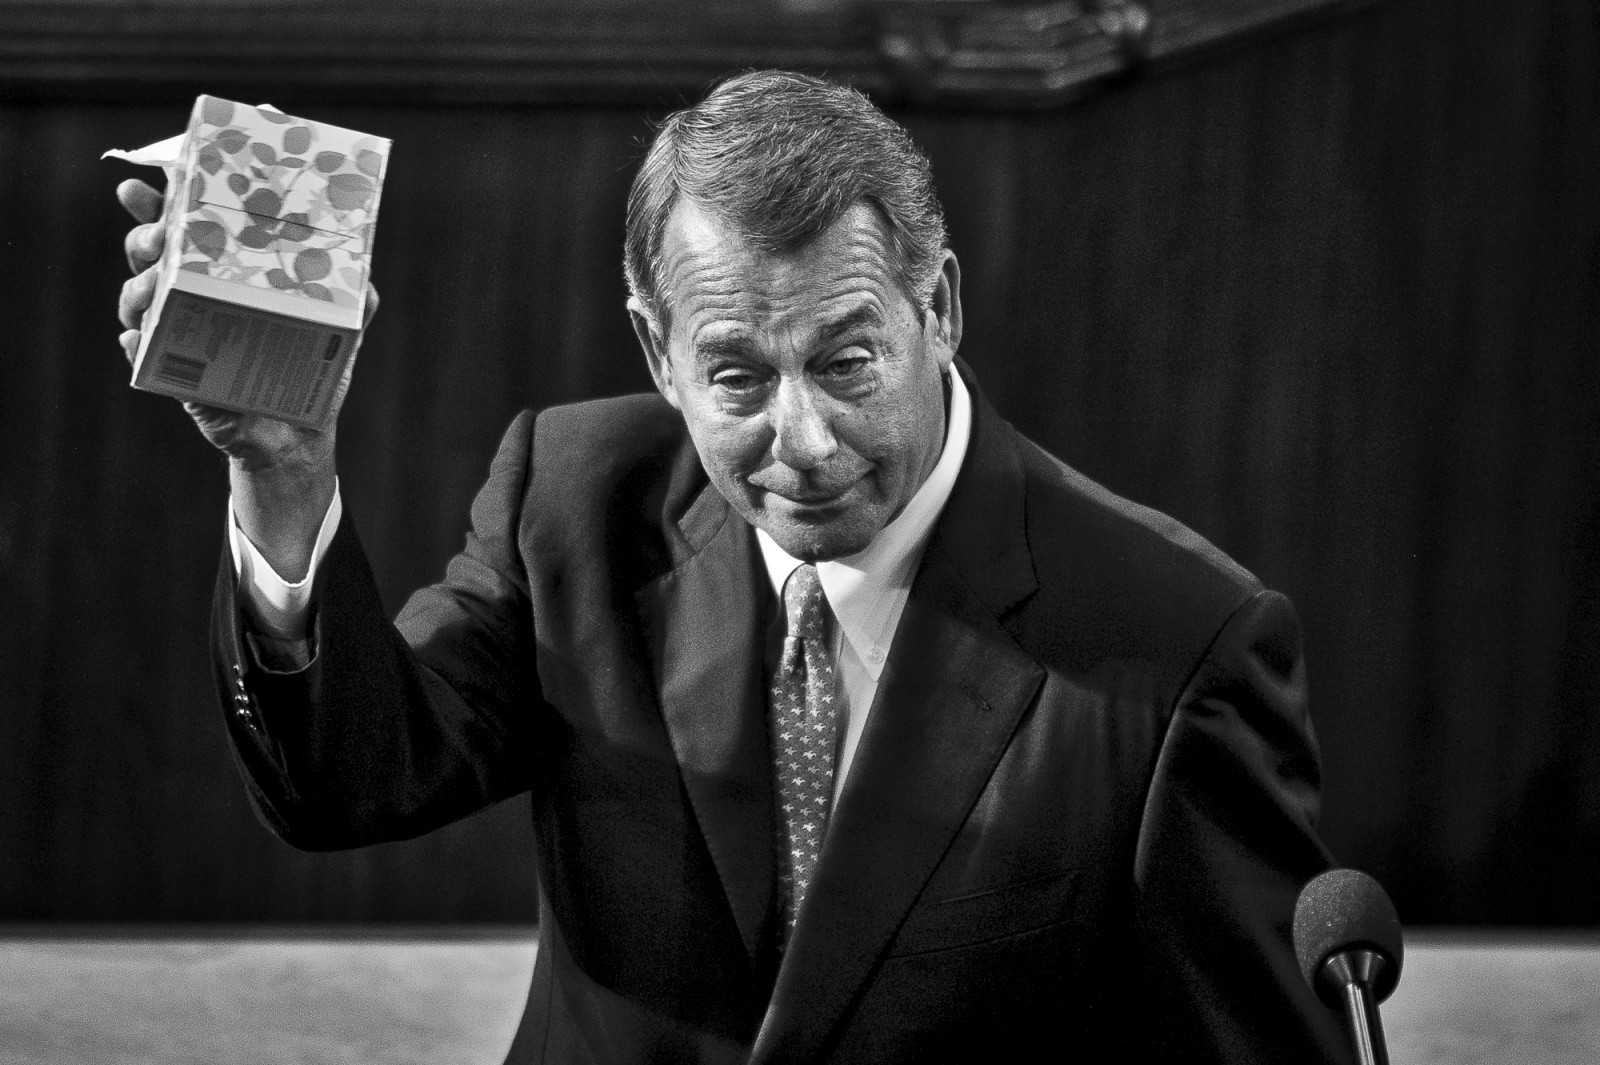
x,y
1348,940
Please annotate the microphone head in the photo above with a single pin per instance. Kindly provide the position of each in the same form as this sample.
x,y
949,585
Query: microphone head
x,y
1345,909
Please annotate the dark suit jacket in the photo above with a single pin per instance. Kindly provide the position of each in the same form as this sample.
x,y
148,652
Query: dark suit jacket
x,y
1078,818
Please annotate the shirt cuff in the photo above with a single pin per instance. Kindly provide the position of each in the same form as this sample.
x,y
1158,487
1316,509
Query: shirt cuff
x,y
279,608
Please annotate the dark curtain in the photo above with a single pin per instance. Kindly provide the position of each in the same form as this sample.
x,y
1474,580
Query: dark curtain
x,y
1331,299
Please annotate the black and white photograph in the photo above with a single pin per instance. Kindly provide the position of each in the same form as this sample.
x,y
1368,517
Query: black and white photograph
x,y
799,532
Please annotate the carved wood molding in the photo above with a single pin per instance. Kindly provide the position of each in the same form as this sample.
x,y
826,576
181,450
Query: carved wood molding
x,y
951,52
1042,54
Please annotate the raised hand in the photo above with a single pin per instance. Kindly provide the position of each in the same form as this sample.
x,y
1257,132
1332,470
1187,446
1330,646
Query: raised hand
x,y
283,475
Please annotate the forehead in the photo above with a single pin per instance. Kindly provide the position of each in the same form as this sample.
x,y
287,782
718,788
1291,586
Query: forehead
x,y
714,279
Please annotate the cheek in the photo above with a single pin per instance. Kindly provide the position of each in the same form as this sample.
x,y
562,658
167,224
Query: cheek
x,y
893,426
729,447
880,436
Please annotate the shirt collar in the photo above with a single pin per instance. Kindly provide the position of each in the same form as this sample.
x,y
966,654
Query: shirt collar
x,y
866,590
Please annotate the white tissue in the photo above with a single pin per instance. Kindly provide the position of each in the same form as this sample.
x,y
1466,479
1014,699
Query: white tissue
x,y
167,153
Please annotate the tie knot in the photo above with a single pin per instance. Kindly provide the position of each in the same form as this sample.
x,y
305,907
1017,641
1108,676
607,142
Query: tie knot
x,y
803,602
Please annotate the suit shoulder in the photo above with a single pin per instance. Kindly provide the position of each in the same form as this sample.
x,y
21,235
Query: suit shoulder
x,y
610,431
1150,586
1059,493
608,478
593,450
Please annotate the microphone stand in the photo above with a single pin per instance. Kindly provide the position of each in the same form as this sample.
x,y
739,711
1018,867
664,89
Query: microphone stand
x,y
1354,972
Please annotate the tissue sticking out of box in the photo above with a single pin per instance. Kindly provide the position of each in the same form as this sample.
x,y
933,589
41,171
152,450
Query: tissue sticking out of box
x,y
261,287
167,153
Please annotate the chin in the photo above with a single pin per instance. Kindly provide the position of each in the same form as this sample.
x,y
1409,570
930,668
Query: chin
x,y
818,544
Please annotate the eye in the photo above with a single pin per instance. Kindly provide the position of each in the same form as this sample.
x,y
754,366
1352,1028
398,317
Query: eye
x,y
845,367
738,380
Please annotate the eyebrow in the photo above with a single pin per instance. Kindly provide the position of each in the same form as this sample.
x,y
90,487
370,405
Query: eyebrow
x,y
865,315
721,347
738,345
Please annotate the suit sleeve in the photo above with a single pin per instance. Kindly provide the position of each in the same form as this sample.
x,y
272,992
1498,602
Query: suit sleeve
x,y
393,730
1227,839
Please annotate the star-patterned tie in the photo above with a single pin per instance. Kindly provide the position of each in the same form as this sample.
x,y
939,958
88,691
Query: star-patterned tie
x,y
801,704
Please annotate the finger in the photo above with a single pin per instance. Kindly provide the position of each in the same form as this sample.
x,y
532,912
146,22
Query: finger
x,y
130,344
370,308
142,245
140,200
135,298
210,417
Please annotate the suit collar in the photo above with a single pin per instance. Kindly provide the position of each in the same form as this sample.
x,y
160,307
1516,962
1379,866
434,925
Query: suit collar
x,y
706,620
984,527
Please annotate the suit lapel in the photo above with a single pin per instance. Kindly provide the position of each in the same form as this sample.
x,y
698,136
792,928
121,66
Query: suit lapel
x,y
952,693
707,625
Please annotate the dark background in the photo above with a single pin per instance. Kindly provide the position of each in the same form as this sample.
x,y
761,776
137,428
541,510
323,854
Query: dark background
x,y
1329,297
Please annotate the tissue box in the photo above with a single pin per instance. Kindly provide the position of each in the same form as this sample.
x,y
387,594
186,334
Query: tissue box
x,y
259,297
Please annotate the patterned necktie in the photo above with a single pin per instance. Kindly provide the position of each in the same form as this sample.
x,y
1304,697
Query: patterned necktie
x,y
801,704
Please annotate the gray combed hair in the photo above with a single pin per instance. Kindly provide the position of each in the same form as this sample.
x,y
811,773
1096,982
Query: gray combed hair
x,y
777,158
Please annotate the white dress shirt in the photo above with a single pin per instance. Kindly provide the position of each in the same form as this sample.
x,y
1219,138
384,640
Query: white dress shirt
x,y
866,591
277,606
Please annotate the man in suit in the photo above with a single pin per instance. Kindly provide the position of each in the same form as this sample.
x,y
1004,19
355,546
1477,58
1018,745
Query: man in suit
x,y
857,728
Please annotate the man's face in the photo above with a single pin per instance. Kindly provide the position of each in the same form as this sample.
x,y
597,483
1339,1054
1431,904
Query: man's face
x,y
810,382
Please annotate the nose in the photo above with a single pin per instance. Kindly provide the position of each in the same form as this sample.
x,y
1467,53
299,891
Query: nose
x,y
802,437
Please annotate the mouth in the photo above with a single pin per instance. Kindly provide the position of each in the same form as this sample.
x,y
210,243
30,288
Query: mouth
x,y
810,501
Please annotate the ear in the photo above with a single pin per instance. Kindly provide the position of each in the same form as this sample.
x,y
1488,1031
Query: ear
x,y
944,310
654,343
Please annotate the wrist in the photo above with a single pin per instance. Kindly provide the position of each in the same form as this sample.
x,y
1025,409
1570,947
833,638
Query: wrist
x,y
296,460
280,508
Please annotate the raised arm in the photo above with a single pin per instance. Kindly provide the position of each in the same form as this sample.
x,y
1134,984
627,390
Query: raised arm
x,y
349,735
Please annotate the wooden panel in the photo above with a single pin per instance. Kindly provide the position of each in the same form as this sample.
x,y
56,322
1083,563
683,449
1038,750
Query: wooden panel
x,y
972,52
1332,300
1336,307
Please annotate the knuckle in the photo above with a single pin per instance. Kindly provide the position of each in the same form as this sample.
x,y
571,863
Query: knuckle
x,y
134,298
143,242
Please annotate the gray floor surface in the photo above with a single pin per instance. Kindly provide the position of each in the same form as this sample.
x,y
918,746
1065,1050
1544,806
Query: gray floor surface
x,y
164,997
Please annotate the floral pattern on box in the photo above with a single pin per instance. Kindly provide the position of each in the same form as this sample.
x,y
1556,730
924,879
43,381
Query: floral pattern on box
x,y
277,202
